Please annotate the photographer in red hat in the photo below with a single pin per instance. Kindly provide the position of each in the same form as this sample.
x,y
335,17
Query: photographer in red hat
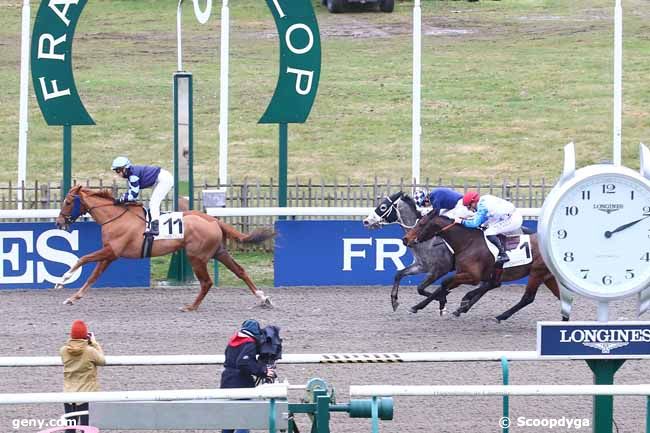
x,y
81,355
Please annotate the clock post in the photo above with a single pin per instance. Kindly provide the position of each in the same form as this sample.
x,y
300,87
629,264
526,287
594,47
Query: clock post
x,y
591,231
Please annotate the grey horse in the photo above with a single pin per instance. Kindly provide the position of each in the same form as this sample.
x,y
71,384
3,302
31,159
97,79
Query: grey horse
x,y
431,257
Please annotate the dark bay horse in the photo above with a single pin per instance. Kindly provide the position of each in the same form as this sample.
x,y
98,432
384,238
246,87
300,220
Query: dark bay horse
x,y
431,257
475,262
122,227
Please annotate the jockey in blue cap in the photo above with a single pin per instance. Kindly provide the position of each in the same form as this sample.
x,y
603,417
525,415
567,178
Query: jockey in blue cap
x,y
144,176
445,201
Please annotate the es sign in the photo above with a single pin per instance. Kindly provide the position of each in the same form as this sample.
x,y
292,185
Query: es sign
x,y
36,255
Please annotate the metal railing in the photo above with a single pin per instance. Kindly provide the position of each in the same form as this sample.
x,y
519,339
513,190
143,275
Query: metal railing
x,y
527,194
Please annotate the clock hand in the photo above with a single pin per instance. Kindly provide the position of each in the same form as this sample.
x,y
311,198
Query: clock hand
x,y
609,234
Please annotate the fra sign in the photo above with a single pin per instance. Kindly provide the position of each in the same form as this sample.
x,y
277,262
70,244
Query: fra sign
x,y
51,59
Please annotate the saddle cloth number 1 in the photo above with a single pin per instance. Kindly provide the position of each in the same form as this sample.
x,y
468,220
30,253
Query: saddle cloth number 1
x,y
171,226
522,255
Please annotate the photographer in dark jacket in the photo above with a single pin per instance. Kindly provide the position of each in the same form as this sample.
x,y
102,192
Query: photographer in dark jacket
x,y
241,366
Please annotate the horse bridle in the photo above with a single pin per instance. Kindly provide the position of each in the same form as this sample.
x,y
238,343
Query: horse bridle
x,y
399,215
76,211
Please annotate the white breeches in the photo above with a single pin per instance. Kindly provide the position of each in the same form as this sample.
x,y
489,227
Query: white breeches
x,y
457,212
163,185
506,225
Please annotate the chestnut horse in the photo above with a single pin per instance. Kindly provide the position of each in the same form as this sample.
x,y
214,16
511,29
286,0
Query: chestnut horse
x,y
475,262
122,228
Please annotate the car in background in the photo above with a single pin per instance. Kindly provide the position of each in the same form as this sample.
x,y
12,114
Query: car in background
x,y
337,6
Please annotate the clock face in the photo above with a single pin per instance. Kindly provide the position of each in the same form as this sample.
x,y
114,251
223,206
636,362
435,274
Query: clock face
x,y
598,235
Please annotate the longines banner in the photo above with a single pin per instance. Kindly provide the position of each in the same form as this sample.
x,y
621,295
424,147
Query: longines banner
x,y
330,253
585,340
36,255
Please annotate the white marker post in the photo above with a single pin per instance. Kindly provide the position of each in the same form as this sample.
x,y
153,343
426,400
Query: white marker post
x,y
618,79
224,96
23,125
417,91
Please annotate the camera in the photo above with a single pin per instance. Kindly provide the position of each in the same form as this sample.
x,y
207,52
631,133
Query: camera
x,y
269,350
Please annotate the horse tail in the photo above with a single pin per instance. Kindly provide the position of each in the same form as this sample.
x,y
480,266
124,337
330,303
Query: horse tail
x,y
255,237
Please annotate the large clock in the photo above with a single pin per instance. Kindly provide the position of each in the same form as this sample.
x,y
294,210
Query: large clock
x,y
594,229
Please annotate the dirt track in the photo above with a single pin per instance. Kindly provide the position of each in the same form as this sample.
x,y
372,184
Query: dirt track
x,y
313,320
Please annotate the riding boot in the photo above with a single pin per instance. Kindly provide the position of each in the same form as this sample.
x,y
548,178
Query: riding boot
x,y
153,228
502,257
496,276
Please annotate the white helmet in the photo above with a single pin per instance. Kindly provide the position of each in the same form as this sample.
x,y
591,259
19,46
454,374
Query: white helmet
x,y
121,162
420,196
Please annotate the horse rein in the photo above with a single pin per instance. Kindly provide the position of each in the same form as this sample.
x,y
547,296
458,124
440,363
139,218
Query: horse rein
x,y
445,228
126,209
70,220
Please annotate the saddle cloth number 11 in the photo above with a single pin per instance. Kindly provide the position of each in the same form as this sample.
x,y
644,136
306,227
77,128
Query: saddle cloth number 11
x,y
171,226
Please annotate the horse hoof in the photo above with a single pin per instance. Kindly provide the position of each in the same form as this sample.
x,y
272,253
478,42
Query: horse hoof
x,y
395,305
58,286
266,302
68,302
444,312
413,310
187,308
456,313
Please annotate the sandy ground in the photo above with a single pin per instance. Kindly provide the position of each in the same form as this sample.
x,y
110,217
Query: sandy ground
x,y
313,320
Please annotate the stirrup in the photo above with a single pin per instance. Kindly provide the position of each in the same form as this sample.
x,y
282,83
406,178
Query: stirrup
x,y
153,229
503,258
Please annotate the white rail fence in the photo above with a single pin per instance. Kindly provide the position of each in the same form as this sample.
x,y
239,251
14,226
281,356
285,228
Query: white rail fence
x,y
269,391
495,390
302,358
251,211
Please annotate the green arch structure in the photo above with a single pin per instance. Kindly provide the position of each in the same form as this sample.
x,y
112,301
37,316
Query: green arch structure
x,y
59,101
300,64
51,60
300,61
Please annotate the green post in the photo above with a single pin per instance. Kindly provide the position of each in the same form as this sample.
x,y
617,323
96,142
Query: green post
x,y
506,398
272,416
180,269
604,371
282,175
67,160
322,421
647,415
374,414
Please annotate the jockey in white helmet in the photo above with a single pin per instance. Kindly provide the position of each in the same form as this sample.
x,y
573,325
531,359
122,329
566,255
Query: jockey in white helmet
x,y
144,176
